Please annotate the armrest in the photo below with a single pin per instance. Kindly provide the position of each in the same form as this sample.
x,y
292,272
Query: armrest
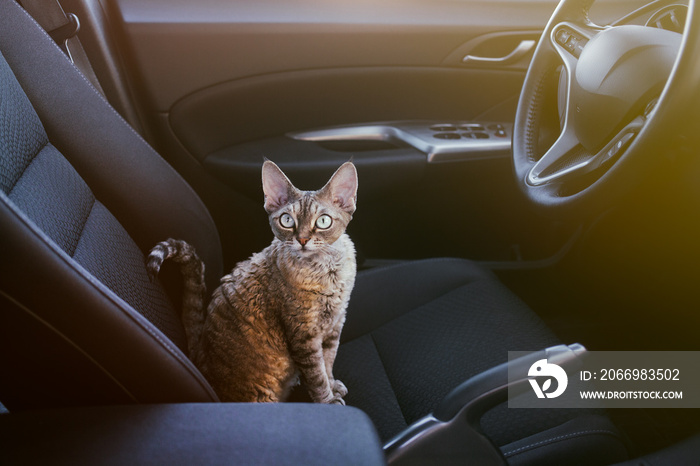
x,y
452,430
222,433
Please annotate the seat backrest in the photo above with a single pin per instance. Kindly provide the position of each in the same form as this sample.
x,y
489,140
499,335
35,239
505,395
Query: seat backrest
x,y
82,198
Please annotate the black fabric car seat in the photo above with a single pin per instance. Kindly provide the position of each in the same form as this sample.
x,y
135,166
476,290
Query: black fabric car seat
x,y
83,196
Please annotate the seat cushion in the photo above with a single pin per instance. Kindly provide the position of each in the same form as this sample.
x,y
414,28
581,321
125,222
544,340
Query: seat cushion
x,y
418,329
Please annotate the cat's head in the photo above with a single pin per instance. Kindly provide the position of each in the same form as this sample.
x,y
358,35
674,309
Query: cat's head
x,y
309,220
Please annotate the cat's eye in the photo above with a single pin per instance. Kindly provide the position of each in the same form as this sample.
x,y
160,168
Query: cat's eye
x,y
324,222
287,221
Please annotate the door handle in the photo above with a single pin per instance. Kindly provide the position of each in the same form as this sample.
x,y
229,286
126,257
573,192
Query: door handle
x,y
523,48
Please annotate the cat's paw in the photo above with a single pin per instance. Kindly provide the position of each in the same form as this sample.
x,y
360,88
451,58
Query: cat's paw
x,y
339,388
337,400
333,399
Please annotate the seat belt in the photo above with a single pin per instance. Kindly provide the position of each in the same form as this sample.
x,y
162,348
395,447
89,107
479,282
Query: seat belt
x,y
63,29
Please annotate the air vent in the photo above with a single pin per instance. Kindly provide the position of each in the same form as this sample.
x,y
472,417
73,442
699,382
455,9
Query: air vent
x,y
671,18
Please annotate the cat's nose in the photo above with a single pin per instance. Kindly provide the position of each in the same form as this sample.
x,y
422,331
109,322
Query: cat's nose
x,y
303,241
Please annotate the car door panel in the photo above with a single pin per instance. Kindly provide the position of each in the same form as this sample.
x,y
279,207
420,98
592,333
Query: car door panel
x,y
264,106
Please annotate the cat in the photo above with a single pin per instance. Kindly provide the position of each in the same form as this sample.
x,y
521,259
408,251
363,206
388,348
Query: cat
x,y
277,316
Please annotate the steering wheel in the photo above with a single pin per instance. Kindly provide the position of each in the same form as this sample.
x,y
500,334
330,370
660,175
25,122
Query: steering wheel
x,y
601,106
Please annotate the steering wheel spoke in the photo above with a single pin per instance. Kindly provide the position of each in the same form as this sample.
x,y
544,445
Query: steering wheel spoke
x,y
565,158
618,144
562,158
556,162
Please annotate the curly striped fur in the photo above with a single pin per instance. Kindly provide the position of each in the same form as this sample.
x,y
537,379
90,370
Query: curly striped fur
x,y
194,290
279,314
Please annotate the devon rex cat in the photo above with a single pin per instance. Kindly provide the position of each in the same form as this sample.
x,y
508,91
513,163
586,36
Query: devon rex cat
x,y
280,313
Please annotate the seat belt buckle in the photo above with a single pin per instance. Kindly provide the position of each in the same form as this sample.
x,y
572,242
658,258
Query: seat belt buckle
x,y
66,31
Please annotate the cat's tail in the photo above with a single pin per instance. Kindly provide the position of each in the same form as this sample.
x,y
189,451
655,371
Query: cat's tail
x,y
194,289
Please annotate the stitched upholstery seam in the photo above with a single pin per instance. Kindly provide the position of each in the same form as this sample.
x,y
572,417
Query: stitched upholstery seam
x,y
92,206
21,175
559,438
84,224
82,227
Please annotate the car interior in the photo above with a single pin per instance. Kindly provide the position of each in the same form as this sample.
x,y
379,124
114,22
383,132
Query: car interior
x,y
527,181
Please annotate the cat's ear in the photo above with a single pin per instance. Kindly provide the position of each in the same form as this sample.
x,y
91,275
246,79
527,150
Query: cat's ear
x,y
276,186
342,187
